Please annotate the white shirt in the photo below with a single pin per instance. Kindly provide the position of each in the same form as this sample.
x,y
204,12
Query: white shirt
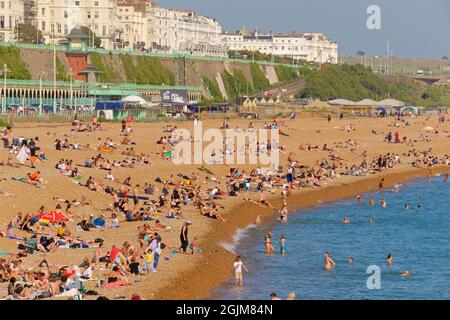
x,y
238,266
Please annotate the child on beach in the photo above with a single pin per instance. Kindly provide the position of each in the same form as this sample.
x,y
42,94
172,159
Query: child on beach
x,y
238,265
193,245
148,261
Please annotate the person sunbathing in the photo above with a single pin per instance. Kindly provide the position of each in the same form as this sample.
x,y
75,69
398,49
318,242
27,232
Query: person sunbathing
x,y
72,213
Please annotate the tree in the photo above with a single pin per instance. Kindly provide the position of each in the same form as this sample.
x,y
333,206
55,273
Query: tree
x,y
87,31
361,53
444,58
28,33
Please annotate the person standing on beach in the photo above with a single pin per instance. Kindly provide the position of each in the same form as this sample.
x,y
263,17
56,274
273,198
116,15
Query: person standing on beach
x,y
446,178
329,263
184,236
381,185
238,265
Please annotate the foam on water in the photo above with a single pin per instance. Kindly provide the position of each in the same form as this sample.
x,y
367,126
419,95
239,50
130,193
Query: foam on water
x,y
237,238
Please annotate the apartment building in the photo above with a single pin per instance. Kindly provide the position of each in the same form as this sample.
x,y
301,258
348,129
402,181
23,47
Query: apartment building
x,y
311,47
11,14
56,18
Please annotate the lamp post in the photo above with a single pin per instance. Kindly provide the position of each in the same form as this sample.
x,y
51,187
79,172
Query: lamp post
x,y
41,75
54,74
71,89
5,72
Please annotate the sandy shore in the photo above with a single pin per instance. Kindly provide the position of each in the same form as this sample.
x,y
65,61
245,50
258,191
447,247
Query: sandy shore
x,y
182,276
215,267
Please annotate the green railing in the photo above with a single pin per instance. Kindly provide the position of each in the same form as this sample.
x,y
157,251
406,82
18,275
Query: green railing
x,y
173,55
45,84
98,86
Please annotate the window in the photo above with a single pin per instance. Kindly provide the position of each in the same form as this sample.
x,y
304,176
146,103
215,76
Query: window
x,y
104,31
59,28
66,30
77,3
52,28
96,14
88,14
43,11
2,22
66,15
43,26
95,3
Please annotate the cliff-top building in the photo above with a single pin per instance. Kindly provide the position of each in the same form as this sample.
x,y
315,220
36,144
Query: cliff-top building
x,y
312,47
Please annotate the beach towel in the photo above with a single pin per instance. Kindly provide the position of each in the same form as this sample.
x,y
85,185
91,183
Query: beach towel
x,y
22,156
115,284
105,149
23,180
53,216
132,197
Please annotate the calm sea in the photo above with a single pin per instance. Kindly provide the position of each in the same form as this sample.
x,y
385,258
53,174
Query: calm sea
x,y
418,238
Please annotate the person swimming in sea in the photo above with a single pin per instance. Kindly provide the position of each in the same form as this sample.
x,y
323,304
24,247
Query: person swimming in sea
x,y
383,203
389,259
283,245
396,187
371,220
350,260
407,206
371,201
329,263
346,220
359,199
446,178
418,207
406,273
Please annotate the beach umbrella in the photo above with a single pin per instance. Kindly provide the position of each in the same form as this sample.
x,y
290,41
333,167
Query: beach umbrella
x,y
53,216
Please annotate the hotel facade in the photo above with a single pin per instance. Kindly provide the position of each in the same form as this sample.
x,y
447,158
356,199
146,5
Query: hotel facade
x,y
144,25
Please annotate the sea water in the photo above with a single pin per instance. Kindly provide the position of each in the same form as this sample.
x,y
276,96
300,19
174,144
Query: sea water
x,y
418,238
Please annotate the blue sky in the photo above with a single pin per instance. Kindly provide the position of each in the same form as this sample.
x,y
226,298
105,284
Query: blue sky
x,y
414,28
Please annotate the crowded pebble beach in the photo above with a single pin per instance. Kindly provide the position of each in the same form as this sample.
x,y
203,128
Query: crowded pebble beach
x,y
100,210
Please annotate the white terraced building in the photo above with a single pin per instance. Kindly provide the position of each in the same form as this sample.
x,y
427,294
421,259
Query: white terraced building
x,y
312,47
131,24
184,31
11,14
56,18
